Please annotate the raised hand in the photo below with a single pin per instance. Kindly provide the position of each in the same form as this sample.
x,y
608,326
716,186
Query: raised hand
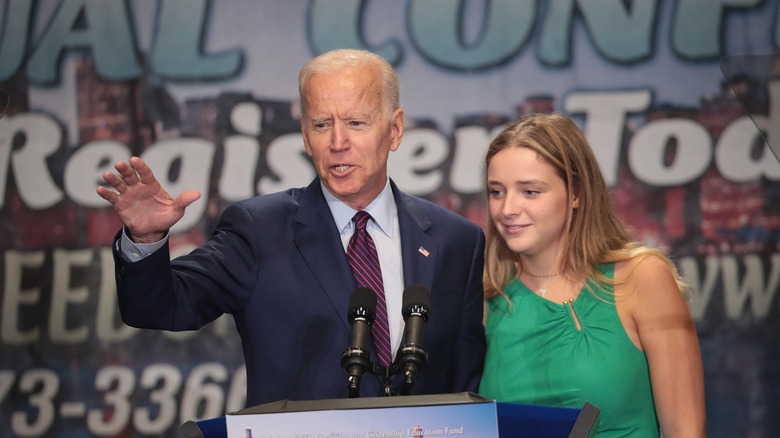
x,y
146,210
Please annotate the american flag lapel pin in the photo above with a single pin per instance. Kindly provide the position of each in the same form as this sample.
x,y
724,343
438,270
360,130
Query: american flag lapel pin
x,y
424,251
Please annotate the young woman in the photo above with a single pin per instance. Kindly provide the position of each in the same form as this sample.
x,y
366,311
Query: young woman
x,y
577,310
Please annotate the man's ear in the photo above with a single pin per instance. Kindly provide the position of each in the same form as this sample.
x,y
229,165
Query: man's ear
x,y
397,128
305,138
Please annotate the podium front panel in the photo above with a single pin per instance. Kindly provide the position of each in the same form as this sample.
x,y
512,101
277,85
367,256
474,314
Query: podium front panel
x,y
470,420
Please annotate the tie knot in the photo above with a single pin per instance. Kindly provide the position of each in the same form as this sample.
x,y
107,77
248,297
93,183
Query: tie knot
x,y
361,220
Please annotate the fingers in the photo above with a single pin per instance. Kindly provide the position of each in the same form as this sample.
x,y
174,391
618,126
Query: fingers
x,y
144,172
127,176
136,172
187,198
107,194
116,182
127,172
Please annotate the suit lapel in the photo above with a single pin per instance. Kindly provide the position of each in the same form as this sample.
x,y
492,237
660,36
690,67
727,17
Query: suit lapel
x,y
317,236
418,250
318,241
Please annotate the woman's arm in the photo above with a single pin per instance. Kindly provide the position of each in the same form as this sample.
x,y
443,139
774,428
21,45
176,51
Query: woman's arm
x,y
658,320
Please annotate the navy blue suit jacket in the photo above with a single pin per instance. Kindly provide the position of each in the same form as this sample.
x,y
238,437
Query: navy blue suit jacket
x,y
277,264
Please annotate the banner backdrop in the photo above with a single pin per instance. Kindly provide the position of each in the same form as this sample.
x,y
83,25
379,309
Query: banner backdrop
x,y
206,92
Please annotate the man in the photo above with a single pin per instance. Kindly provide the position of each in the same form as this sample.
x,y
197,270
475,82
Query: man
x,y
277,262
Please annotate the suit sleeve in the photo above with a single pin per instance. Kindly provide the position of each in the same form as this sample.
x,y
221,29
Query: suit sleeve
x,y
471,345
193,290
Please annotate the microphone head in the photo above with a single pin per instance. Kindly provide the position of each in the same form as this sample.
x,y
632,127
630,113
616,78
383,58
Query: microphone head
x,y
362,304
416,301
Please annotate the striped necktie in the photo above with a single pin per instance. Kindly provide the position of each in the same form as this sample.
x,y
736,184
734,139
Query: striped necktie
x,y
364,261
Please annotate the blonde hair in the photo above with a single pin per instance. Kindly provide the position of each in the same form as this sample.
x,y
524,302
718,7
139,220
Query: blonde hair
x,y
594,233
339,60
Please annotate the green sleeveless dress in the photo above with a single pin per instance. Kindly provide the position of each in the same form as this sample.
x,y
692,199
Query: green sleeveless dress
x,y
537,356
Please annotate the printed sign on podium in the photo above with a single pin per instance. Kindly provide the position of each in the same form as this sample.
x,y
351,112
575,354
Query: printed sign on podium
x,y
445,415
473,420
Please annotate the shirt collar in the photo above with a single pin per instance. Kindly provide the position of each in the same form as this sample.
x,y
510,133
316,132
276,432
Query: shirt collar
x,y
382,210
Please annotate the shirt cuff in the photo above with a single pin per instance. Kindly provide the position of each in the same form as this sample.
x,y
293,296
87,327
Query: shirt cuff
x,y
133,252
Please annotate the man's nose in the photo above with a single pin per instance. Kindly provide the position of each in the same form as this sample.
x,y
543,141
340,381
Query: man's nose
x,y
339,138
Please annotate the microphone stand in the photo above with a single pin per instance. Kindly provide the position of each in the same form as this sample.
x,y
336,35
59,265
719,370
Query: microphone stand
x,y
410,359
358,357
354,360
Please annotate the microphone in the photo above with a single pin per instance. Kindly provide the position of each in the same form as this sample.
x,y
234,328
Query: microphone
x,y
357,358
412,357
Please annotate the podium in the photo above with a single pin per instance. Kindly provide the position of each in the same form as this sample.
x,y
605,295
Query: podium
x,y
447,415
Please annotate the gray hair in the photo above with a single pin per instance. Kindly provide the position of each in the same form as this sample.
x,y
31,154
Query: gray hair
x,y
338,60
